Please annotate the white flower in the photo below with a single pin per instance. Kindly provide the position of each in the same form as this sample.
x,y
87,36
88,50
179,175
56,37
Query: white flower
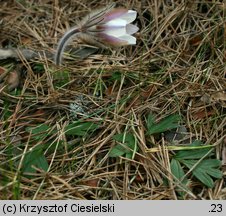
x,y
103,28
114,29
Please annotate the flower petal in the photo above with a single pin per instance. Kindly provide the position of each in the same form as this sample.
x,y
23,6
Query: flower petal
x,y
114,28
116,23
131,29
114,14
111,40
129,17
115,32
129,39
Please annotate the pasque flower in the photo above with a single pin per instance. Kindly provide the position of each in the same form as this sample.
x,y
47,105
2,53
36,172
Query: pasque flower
x,y
107,27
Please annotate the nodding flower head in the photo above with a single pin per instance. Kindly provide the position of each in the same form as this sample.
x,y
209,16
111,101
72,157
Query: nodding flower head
x,y
111,26
107,27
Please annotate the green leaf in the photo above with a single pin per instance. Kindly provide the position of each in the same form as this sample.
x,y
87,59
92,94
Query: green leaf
x,y
116,76
211,163
209,166
178,173
50,147
34,157
177,170
80,128
204,178
204,170
117,151
193,153
127,145
41,162
61,78
6,111
215,173
39,132
38,67
150,122
165,124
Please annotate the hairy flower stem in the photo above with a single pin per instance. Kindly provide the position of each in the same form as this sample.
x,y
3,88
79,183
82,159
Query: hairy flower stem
x,y
63,42
107,27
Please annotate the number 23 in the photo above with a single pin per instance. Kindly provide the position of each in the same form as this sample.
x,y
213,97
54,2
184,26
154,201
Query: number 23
x,y
216,208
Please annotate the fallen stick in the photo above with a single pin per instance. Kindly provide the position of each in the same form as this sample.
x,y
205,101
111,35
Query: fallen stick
x,y
28,54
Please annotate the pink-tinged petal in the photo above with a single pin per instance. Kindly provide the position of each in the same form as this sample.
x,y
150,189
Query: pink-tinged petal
x,y
111,40
129,39
114,14
116,23
115,27
130,16
131,29
116,32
